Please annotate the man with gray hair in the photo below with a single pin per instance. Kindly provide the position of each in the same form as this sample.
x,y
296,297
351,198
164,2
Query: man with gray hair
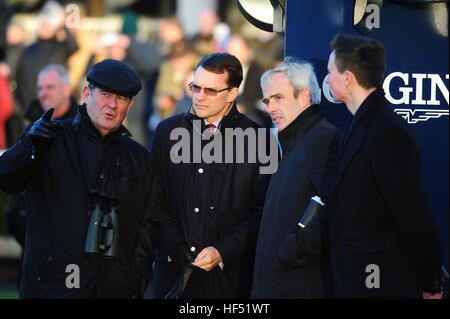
x,y
54,91
291,260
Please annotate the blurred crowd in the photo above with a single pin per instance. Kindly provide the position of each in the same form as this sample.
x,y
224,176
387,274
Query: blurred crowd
x,y
165,66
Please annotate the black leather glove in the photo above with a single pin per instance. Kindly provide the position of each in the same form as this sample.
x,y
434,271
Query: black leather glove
x,y
44,131
297,248
292,253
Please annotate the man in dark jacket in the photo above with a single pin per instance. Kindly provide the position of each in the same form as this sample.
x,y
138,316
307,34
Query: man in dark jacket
x,y
291,261
85,170
211,209
383,241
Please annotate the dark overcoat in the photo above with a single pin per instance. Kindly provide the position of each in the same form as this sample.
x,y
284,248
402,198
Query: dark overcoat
x,y
291,263
383,241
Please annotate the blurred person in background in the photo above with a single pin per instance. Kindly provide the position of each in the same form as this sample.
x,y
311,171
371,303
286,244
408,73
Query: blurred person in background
x,y
54,91
170,31
5,15
55,44
249,99
185,103
80,61
16,39
6,99
170,84
171,37
222,34
268,48
204,42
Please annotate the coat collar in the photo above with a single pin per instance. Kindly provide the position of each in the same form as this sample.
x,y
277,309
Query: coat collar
x,y
297,127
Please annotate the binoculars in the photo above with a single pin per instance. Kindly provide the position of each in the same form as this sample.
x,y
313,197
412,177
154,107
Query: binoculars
x,y
102,236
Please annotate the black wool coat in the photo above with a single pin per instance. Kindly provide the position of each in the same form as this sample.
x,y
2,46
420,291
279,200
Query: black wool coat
x,y
294,263
380,218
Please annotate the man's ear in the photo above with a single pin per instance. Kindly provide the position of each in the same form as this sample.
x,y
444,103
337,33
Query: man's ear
x,y
232,95
306,95
131,104
86,93
349,78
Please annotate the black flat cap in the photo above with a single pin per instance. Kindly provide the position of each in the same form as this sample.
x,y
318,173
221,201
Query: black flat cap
x,y
116,77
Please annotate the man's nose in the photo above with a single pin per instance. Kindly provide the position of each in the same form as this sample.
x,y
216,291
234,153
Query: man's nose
x,y
42,94
201,95
112,103
269,108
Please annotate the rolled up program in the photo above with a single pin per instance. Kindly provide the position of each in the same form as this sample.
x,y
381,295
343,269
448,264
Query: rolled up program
x,y
315,204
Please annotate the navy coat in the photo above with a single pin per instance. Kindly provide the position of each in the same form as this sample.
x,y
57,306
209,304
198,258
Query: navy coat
x,y
379,211
291,263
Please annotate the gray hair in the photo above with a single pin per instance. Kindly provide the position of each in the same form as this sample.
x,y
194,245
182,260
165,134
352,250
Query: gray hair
x,y
59,69
300,74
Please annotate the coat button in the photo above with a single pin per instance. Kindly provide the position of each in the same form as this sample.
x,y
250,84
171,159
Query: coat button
x,y
196,210
200,170
193,249
102,176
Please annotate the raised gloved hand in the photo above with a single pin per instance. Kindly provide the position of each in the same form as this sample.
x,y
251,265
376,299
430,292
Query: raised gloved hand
x,y
44,131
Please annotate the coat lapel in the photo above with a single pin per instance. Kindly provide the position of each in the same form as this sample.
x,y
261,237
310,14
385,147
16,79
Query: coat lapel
x,y
349,151
362,126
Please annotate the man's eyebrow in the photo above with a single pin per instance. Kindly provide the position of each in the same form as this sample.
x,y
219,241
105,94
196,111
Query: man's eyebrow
x,y
273,95
206,87
267,99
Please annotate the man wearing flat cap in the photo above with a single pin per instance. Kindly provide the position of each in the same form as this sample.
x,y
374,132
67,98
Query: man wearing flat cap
x,y
90,223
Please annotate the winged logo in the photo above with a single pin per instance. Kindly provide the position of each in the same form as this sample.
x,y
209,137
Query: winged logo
x,y
420,115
